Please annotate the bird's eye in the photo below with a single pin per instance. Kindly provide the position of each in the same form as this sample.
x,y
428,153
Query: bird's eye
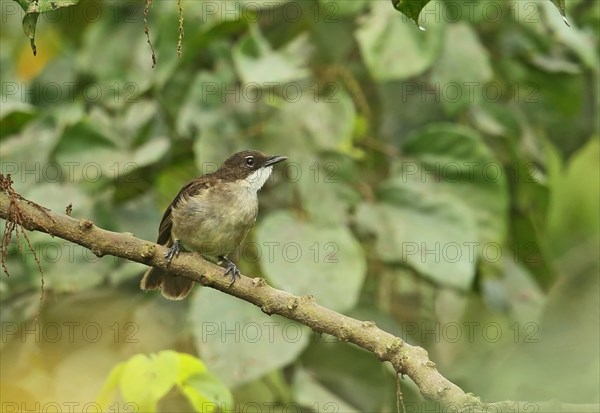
x,y
250,161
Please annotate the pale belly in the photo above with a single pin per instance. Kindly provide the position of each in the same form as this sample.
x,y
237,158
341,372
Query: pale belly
x,y
214,229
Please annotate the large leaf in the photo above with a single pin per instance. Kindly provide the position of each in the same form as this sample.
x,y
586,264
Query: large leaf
x,y
434,235
258,64
306,258
444,209
413,8
311,123
91,151
560,5
204,107
576,189
458,84
14,112
581,41
324,197
33,9
238,342
145,380
200,387
130,73
394,49
457,162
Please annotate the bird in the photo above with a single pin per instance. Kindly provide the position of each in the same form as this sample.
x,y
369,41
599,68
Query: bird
x,y
211,215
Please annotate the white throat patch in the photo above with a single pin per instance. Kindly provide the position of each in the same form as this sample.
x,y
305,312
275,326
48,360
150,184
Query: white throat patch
x,y
257,179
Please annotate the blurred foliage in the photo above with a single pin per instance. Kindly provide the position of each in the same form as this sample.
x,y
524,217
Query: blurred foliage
x,y
443,183
144,380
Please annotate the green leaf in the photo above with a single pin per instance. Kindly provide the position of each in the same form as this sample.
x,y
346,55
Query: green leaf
x,y
312,123
519,283
205,390
32,13
410,8
129,73
201,388
575,189
434,235
393,49
189,366
444,209
14,115
145,380
325,197
560,5
364,385
238,342
92,150
310,392
331,8
149,152
456,161
203,108
258,64
579,40
307,258
51,5
29,25
84,147
108,390
458,84
270,388
18,158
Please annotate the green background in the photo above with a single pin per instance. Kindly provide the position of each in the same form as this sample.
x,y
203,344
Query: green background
x,y
443,183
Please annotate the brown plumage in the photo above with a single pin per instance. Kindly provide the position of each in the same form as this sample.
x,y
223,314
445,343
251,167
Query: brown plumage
x,y
211,215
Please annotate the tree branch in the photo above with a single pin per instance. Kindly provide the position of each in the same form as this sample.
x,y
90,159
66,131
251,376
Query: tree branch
x,y
406,359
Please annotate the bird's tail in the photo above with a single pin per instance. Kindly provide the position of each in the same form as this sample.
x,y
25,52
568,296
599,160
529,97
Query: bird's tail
x,y
171,286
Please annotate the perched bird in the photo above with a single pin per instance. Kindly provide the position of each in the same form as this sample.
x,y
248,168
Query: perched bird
x,y
211,215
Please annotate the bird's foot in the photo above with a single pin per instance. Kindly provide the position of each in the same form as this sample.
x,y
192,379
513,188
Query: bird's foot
x,y
231,268
173,251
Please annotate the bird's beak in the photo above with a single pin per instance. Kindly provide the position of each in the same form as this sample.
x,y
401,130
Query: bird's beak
x,y
272,160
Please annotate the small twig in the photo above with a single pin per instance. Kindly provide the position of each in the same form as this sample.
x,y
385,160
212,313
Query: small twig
x,y
148,4
180,38
399,398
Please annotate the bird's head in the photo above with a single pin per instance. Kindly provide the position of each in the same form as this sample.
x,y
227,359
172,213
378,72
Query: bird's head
x,y
253,167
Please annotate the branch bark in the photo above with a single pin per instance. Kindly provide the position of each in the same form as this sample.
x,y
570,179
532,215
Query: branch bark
x,y
406,359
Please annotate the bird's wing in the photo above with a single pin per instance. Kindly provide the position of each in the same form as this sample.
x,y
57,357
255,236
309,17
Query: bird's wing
x,y
166,224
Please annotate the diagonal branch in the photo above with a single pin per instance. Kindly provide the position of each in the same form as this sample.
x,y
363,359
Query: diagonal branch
x,y
406,359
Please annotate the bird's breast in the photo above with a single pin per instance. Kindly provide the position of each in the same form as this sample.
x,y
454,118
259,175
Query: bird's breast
x,y
215,221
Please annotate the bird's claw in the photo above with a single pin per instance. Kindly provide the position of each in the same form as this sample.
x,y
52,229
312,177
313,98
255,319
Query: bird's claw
x,y
174,251
231,268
